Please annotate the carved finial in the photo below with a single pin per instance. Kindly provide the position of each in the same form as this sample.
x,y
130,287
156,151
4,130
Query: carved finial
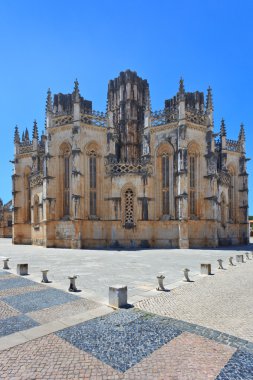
x,y
49,106
27,135
16,135
76,91
35,130
242,133
181,86
223,131
209,99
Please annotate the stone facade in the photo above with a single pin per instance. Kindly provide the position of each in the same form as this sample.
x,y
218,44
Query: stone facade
x,y
130,177
5,219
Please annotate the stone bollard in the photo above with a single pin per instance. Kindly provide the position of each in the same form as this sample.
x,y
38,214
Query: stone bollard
x,y
205,269
72,285
252,254
247,255
186,274
6,266
118,296
220,264
240,259
230,259
22,269
160,282
44,276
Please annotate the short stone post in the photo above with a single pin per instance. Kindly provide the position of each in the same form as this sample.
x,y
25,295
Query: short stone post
x,y
22,269
220,261
72,285
118,296
230,259
205,269
247,255
44,275
160,282
186,274
5,260
240,259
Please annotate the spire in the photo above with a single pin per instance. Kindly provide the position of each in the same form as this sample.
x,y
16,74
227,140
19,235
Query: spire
x,y
16,135
223,131
49,107
35,130
209,99
242,133
26,135
76,91
23,136
181,86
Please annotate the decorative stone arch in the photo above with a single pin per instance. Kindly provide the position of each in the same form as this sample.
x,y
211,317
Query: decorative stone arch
x,y
93,183
232,193
194,152
65,152
27,193
128,206
36,201
164,156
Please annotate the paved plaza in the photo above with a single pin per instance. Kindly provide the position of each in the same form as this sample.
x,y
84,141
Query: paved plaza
x,y
194,331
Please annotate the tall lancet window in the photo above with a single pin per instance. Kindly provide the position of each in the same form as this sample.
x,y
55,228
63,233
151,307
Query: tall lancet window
x,y
193,190
193,179
27,195
231,196
165,185
66,185
36,210
93,183
66,178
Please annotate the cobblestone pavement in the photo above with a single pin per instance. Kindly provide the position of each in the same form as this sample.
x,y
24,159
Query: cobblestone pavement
x,y
222,302
131,345
199,331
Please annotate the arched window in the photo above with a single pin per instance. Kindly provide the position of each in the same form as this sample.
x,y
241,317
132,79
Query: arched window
x,y
66,177
231,195
165,185
129,208
36,210
93,183
27,191
223,210
193,175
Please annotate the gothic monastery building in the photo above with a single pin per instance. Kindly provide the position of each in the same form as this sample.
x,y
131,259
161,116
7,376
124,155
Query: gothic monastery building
x,y
130,177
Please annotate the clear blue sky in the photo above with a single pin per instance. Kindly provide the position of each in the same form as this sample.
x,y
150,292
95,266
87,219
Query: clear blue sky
x,y
50,43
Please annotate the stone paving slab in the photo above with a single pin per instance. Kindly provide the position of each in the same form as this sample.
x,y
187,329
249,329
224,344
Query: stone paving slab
x,y
15,282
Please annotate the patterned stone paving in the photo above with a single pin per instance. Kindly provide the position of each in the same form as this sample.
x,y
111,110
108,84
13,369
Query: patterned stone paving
x,y
7,311
65,310
15,324
221,302
15,282
18,291
167,354
33,301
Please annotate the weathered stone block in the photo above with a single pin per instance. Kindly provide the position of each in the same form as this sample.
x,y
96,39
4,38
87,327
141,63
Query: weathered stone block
x,y
118,296
239,259
22,269
205,269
